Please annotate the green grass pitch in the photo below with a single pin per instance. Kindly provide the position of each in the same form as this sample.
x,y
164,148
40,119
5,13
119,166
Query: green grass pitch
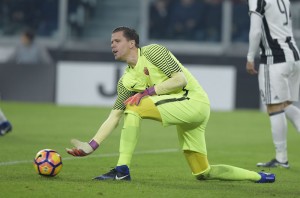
x,y
240,138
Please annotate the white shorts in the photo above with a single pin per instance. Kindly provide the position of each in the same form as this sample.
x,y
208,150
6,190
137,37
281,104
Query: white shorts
x,y
279,82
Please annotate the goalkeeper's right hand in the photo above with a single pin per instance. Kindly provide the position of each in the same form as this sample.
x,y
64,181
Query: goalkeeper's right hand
x,y
82,148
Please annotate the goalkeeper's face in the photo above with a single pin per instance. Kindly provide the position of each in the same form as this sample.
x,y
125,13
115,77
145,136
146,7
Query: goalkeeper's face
x,y
121,46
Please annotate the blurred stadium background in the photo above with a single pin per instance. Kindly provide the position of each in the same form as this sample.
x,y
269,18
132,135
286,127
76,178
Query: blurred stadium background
x,y
77,35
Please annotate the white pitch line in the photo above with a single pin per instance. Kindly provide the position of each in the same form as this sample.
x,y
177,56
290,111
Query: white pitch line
x,y
93,156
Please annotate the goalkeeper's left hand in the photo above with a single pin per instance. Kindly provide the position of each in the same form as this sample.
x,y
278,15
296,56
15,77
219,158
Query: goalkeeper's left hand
x,y
82,148
136,99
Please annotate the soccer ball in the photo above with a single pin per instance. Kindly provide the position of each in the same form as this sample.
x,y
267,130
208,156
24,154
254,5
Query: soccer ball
x,y
47,162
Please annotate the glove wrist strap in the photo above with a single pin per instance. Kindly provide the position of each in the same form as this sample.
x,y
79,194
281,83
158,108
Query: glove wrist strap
x,y
94,144
151,91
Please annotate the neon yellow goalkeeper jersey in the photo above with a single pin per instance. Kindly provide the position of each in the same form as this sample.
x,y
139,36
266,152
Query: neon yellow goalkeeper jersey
x,y
155,65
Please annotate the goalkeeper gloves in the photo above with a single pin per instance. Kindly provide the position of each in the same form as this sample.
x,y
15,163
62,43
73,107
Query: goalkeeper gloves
x,y
136,99
82,148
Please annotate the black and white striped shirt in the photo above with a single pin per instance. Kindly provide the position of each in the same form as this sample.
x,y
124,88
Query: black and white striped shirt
x,y
277,43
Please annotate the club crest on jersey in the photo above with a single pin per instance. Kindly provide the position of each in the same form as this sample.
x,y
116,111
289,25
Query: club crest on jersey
x,y
146,71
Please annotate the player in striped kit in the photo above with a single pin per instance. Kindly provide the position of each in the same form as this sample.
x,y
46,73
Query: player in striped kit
x,y
279,69
157,86
5,125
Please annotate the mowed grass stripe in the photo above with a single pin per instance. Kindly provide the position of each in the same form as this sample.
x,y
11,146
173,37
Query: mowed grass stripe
x,y
94,156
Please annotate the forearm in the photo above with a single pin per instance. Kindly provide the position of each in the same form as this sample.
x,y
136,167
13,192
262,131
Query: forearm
x,y
177,81
254,36
108,126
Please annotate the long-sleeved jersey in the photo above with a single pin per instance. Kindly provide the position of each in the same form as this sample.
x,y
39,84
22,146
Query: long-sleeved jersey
x,y
155,65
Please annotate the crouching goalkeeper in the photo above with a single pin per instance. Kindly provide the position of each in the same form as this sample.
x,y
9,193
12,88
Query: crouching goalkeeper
x,y
156,86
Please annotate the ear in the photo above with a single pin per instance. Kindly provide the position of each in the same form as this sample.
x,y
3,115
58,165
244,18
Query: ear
x,y
132,44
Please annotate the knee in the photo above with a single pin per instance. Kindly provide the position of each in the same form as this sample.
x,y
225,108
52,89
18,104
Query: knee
x,y
287,103
131,118
274,108
133,109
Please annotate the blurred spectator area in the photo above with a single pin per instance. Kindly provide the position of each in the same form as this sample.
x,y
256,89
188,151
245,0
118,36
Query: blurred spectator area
x,y
219,25
169,19
185,20
15,15
43,16
199,20
80,12
240,21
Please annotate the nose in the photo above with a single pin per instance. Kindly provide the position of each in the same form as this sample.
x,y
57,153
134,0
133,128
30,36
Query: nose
x,y
113,44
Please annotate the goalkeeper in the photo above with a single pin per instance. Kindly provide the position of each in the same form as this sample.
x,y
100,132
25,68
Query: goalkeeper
x,y
156,86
